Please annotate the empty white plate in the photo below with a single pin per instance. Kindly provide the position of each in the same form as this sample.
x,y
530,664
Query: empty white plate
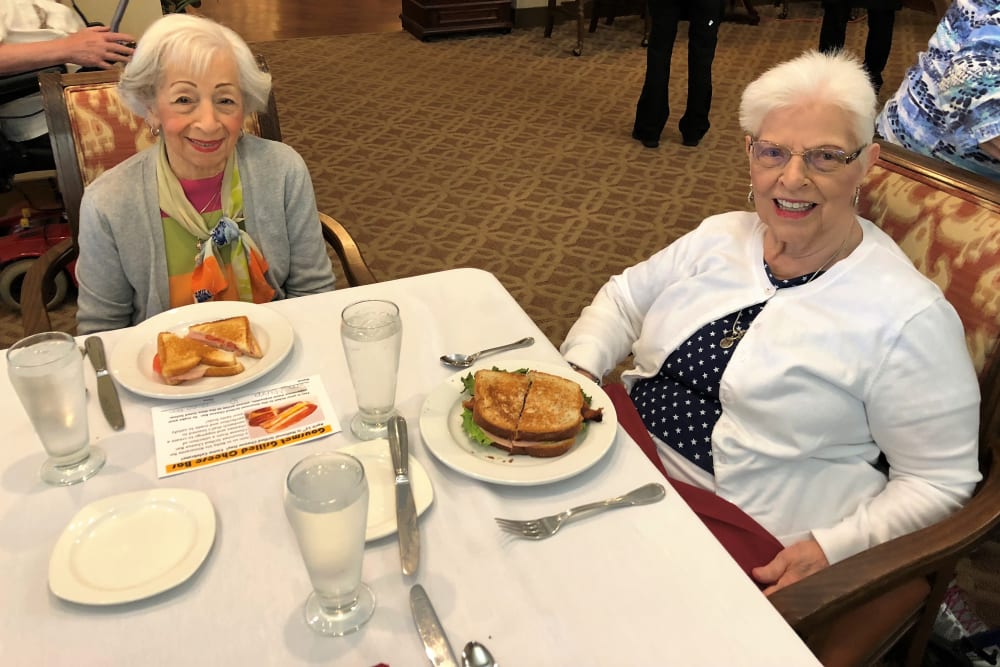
x,y
377,462
132,546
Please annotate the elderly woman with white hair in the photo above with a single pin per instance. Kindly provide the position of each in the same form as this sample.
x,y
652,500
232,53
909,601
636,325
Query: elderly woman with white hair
x,y
206,213
790,359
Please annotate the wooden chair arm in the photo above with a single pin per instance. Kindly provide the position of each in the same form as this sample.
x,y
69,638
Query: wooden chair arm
x,y
355,267
34,314
810,604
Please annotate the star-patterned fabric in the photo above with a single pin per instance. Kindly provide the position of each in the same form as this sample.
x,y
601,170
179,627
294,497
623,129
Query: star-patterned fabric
x,y
680,404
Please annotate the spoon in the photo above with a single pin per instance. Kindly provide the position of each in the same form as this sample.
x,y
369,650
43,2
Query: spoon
x,y
476,655
465,360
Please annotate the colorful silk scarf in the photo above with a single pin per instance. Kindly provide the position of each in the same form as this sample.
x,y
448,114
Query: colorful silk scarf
x,y
247,264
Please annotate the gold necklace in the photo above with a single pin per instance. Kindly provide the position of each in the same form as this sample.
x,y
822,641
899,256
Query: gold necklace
x,y
730,339
210,202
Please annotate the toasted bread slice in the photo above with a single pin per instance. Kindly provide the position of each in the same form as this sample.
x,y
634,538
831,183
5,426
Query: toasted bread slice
x,y
552,410
234,368
538,449
185,359
233,334
499,399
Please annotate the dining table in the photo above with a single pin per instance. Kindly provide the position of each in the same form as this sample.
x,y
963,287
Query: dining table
x,y
644,585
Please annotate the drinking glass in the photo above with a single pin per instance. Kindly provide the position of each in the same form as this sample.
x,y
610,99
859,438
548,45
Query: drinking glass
x,y
371,332
326,501
46,371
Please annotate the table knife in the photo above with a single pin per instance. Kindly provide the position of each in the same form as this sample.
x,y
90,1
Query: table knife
x,y
106,391
436,644
406,511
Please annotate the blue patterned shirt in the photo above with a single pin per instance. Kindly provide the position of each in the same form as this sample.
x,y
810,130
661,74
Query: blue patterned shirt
x,y
949,102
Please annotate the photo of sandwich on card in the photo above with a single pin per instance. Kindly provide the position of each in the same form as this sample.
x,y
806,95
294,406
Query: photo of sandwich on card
x,y
273,419
525,412
210,349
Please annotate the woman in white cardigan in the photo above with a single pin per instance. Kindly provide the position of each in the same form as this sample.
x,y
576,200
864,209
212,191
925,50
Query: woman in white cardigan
x,y
791,359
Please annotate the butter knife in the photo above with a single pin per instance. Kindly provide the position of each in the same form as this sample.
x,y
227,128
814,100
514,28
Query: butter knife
x,y
106,391
406,511
436,644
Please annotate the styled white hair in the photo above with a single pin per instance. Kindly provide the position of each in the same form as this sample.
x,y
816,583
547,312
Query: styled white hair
x,y
837,79
189,41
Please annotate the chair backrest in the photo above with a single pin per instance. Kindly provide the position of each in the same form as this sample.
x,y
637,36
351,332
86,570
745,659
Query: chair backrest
x,y
92,130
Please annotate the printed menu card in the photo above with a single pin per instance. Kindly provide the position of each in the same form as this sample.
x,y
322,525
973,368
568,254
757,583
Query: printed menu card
x,y
217,429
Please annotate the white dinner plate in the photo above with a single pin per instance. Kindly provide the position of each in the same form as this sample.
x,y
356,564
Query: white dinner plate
x,y
131,359
441,428
132,546
377,461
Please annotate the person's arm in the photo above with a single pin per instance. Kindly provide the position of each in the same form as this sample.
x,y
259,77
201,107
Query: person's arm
x,y
105,294
309,270
968,93
923,412
90,47
604,333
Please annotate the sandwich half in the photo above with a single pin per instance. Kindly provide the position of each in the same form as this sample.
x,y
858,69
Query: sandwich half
x,y
533,413
181,359
232,334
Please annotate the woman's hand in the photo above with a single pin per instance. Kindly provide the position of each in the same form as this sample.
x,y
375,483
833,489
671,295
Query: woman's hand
x,y
791,564
585,373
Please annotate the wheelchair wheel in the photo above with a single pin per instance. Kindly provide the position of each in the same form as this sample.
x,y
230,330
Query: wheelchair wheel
x,y
12,279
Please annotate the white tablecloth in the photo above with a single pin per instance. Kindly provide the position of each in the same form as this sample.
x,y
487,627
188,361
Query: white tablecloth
x,y
640,586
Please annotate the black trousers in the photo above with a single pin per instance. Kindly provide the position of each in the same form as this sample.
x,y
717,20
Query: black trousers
x,y
20,156
653,108
833,34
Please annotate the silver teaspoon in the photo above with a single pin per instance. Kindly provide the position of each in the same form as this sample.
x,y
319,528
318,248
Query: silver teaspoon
x,y
465,360
476,655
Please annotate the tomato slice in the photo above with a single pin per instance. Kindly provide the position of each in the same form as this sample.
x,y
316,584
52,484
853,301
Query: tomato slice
x,y
156,364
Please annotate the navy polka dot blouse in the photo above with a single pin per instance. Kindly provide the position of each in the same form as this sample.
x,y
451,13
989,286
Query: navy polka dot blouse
x,y
680,404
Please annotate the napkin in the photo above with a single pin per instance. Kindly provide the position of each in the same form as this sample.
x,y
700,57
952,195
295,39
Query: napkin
x,y
747,541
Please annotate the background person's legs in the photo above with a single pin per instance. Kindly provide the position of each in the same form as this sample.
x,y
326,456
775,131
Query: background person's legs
x,y
653,108
833,30
879,43
703,35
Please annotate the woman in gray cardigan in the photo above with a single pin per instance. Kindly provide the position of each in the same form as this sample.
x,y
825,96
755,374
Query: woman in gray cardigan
x,y
206,213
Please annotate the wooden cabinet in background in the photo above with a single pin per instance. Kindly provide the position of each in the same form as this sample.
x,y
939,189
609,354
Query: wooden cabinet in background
x,y
432,18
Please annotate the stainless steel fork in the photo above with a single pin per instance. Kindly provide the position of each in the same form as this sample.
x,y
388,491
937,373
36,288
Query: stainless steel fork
x,y
539,529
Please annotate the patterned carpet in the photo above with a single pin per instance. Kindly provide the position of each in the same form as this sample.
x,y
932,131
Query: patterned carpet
x,y
507,153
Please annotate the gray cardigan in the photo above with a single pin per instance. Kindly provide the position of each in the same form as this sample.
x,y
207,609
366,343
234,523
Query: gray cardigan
x,y
122,268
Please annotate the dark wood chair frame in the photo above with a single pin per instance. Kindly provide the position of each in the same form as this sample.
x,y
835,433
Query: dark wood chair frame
x,y
813,603
40,277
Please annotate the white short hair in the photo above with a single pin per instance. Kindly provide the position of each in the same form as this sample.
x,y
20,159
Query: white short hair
x,y
837,79
190,41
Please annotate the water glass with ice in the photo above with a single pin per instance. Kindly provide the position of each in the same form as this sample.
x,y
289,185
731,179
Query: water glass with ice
x,y
326,502
46,371
371,332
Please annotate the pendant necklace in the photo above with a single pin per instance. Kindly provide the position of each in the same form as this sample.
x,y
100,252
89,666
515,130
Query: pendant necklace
x,y
737,332
210,202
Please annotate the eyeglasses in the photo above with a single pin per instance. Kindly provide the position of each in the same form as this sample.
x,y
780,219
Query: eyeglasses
x,y
824,160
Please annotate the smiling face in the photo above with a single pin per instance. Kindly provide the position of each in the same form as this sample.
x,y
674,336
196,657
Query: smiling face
x,y
199,116
807,211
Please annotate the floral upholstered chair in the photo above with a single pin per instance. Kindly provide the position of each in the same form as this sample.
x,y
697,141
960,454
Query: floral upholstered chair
x,y
947,221
92,131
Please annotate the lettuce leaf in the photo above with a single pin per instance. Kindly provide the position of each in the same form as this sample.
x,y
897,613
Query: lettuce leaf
x,y
472,429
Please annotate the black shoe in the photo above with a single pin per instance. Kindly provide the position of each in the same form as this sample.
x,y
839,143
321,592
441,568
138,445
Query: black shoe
x,y
690,140
648,143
